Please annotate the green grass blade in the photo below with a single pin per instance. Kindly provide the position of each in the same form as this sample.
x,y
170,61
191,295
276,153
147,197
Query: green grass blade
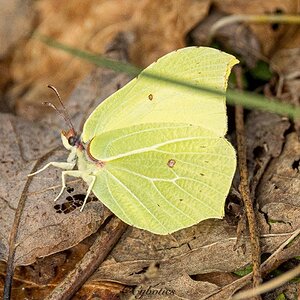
x,y
246,99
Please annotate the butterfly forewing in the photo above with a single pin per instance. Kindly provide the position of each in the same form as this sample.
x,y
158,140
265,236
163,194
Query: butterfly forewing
x,y
147,100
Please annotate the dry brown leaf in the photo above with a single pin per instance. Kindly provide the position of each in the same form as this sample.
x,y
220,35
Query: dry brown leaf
x,y
205,248
161,27
265,138
286,62
266,131
280,183
282,215
181,288
42,229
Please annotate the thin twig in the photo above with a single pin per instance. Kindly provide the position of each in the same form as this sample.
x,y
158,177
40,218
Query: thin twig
x,y
244,185
232,19
104,243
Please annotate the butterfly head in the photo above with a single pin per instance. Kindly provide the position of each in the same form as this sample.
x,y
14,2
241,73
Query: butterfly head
x,y
70,139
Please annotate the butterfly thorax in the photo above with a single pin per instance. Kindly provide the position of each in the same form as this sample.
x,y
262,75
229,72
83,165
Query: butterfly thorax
x,y
83,164
80,152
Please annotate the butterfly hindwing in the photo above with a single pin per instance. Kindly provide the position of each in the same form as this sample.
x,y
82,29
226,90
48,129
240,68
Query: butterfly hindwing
x,y
163,177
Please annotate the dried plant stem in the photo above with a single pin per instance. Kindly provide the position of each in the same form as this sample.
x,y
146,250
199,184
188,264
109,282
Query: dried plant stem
x,y
244,186
287,19
104,243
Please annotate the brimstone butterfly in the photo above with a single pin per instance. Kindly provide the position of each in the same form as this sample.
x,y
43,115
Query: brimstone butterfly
x,y
154,152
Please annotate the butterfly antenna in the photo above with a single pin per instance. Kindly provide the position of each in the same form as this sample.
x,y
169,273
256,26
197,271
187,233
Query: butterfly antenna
x,y
64,112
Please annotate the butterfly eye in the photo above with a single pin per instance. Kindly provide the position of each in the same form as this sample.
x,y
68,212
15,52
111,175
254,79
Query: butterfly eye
x,y
72,140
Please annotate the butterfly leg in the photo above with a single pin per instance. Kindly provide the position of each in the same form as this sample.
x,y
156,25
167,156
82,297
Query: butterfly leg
x,y
73,173
68,165
90,180
61,165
